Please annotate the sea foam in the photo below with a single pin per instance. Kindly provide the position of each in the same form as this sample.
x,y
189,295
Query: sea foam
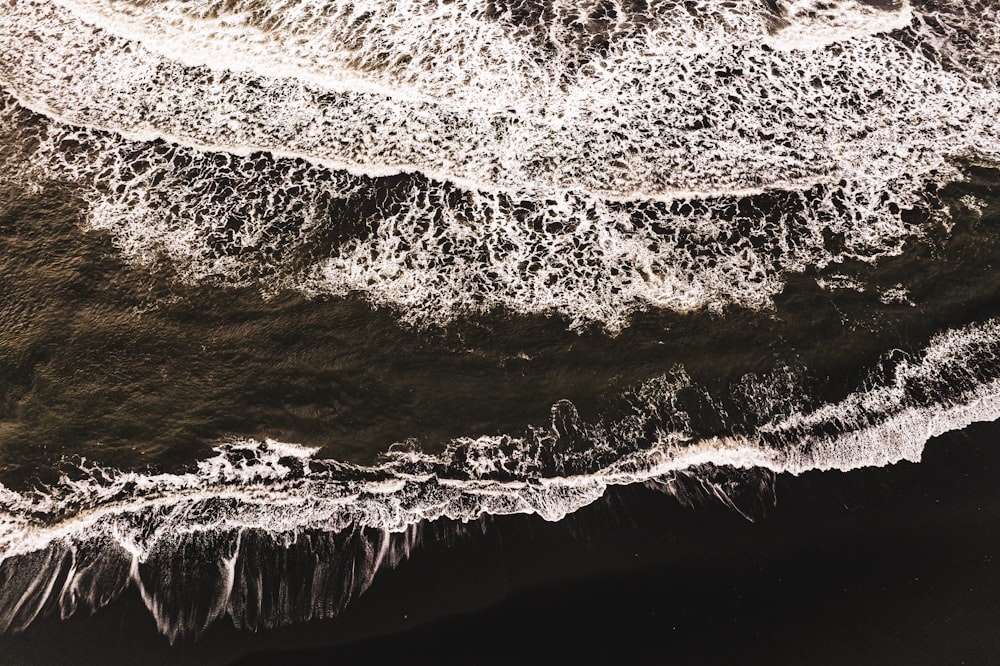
x,y
278,493
655,170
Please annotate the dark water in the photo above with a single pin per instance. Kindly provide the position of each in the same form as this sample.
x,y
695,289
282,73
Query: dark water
x,y
100,355
89,377
622,337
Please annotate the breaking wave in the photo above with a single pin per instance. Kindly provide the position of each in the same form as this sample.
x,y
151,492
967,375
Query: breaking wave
x,y
740,117
433,251
83,541
581,160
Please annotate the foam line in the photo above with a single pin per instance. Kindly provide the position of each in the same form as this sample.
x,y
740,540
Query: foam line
x,y
650,172
736,119
79,544
549,471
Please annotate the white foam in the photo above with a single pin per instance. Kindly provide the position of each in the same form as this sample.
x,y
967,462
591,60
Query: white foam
x,y
974,204
732,119
246,485
460,48
896,294
80,543
567,199
839,281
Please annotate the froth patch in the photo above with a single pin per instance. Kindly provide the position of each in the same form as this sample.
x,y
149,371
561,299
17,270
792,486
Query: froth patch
x,y
434,251
648,178
548,470
736,118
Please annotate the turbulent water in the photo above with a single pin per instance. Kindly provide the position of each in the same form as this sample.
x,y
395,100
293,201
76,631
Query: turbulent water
x,y
312,280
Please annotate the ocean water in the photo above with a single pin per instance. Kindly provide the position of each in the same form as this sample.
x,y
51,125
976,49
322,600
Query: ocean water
x,y
296,291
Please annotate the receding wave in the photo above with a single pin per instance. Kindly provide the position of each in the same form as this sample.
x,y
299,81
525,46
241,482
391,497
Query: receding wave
x,y
81,542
